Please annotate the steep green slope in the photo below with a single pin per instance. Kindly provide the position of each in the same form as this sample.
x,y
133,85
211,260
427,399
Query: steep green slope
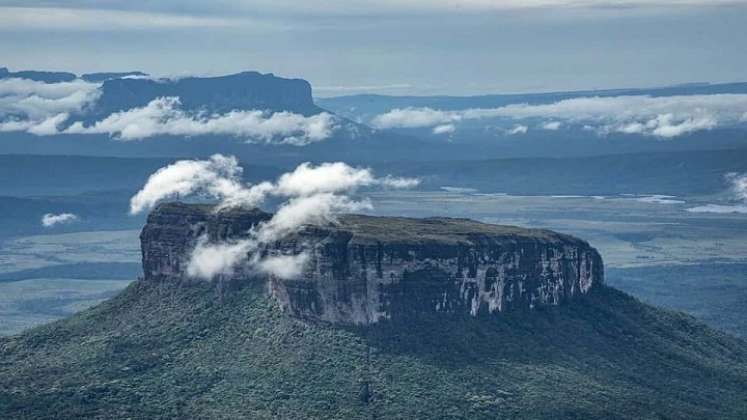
x,y
168,351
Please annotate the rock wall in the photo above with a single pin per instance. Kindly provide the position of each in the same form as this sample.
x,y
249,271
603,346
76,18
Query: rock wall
x,y
365,269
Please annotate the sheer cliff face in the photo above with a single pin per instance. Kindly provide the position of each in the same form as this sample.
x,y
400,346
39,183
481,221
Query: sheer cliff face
x,y
365,269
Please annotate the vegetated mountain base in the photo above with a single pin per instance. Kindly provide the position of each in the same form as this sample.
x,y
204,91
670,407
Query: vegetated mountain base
x,y
165,350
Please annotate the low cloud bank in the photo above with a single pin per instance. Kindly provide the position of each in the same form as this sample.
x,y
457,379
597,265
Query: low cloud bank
x,y
311,194
28,105
517,129
659,199
551,125
46,109
444,129
664,117
51,219
719,209
162,116
738,189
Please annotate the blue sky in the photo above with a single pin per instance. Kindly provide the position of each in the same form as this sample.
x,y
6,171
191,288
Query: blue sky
x,y
388,46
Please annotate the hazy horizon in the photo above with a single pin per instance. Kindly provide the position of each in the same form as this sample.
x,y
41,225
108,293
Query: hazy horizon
x,y
399,48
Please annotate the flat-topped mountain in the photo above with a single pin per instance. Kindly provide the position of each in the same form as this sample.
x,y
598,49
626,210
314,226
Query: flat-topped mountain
x,y
410,333
363,269
241,91
39,76
59,76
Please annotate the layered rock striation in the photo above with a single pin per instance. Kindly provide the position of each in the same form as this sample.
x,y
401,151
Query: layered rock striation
x,y
364,269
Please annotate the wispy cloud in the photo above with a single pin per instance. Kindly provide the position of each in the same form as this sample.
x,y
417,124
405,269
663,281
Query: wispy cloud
x,y
191,13
210,260
311,194
517,129
160,117
412,117
284,266
719,208
361,88
551,125
163,116
664,117
220,178
444,129
26,104
101,19
51,219
659,199
738,189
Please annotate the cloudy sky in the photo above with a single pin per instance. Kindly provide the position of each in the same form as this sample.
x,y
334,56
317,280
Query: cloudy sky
x,y
390,46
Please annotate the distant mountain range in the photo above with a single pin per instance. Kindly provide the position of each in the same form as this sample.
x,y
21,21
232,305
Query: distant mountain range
x,y
216,116
61,76
367,104
241,91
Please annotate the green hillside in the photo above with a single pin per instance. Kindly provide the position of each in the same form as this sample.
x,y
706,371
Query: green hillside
x,y
168,351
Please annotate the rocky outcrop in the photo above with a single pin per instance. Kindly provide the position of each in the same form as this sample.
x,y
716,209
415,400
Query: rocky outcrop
x,y
365,269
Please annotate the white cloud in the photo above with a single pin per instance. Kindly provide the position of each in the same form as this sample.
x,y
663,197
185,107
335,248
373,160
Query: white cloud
x,y
738,189
444,129
25,104
719,209
414,118
313,195
459,190
220,178
307,179
517,129
50,219
80,19
551,125
664,117
738,185
217,177
313,209
210,260
121,14
284,266
162,116
659,199
397,182
48,126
